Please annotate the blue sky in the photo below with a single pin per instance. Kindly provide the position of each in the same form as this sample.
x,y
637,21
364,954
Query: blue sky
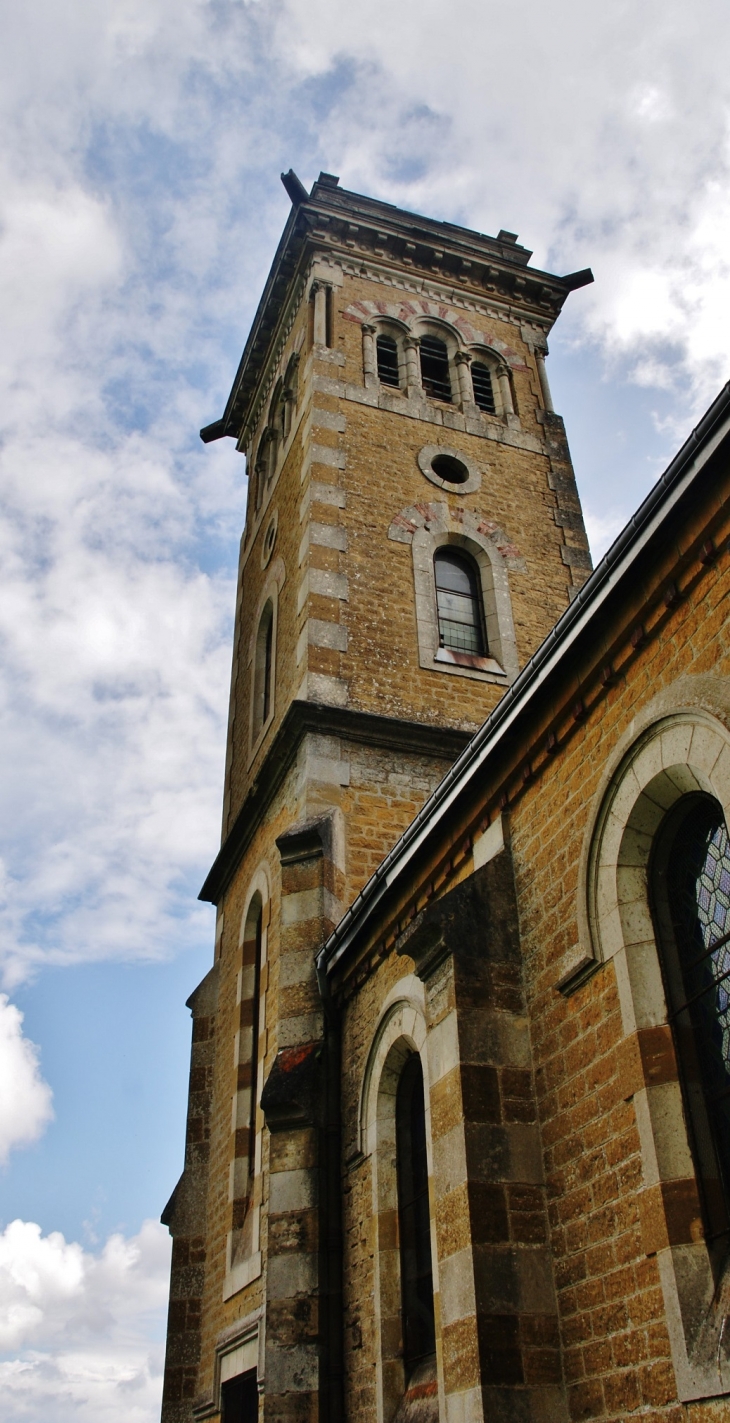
x,y
140,205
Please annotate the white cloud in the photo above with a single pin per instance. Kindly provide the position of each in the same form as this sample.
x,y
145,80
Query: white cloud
x,y
25,1099
140,208
80,1333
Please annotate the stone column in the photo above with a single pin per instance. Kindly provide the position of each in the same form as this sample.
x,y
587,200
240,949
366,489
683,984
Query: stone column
x,y
369,355
499,1326
319,291
299,1101
547,398
413,366
466,390
505,390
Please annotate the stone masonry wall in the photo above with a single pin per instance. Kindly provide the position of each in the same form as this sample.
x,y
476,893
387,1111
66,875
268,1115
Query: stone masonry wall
x,y
604,1234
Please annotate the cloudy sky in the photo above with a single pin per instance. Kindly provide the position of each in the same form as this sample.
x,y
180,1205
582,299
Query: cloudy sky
x,y
140,205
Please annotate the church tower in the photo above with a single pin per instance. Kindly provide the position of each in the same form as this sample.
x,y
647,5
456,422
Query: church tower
x,y
413,532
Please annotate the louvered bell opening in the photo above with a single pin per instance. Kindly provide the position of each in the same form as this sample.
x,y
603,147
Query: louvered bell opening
x,y
461,626
435,368
387,361
483,389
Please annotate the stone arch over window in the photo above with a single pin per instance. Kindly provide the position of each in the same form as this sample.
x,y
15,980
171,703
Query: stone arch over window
x,y
401,1035
679,759
262,656
431,527
243,1254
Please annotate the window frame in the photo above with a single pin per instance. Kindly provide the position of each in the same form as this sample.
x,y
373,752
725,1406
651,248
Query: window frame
x,y
451,553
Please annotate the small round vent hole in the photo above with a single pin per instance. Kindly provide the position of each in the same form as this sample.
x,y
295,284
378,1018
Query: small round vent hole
x,y
451,470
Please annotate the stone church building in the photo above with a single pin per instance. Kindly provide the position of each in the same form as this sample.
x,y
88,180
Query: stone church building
x,y
458,1137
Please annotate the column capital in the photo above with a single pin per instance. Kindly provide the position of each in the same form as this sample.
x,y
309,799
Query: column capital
x,y
463,358
368,329
412,343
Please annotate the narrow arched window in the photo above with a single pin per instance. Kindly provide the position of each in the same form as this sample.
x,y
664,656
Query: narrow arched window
x,y
263,668
387,353
691,893
413,1217
483,389
459,603
249,1022
435,376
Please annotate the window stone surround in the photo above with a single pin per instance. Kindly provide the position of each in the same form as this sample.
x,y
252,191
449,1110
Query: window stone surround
x,y
679,744
401,1031
243,1246
427,527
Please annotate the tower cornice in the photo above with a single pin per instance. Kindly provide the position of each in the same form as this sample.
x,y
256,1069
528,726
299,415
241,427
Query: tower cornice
x,y
344,226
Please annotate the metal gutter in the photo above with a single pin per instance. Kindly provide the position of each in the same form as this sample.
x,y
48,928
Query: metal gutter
x,y
616,564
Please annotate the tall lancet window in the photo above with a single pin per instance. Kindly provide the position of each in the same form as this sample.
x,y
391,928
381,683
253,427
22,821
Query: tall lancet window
x,y
387,353
435,376
263,669
413,1218
691,885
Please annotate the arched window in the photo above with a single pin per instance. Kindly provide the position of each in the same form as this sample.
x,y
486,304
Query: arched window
x,y
435,376
413,1217
263,669
459,603
483,389
690,879
387,353
246,1086
249,1023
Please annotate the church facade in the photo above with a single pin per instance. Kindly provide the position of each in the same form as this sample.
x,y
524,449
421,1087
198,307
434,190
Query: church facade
x,y
458,1138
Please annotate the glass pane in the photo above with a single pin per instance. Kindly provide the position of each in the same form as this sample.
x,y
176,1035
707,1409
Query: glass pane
x,y
452,572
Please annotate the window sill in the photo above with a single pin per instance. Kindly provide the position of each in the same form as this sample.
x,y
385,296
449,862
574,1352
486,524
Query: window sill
x,y
468,659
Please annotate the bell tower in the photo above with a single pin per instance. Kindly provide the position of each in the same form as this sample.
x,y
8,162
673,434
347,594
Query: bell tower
x,y
413,532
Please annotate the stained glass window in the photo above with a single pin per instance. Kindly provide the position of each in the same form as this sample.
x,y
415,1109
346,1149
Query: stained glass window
x,y
698,979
